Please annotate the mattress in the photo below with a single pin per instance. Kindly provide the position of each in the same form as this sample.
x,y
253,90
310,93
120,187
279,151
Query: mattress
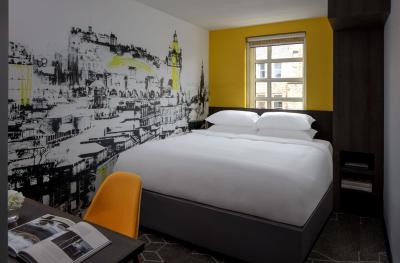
x,y
277,179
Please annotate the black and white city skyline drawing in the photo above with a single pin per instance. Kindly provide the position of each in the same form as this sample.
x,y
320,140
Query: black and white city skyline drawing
x,y
71,114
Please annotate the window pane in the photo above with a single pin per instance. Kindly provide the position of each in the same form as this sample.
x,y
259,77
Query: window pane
x,y
260,104
261,89
287,70
261,71
287,51
286,90
287,105
261,53
277,104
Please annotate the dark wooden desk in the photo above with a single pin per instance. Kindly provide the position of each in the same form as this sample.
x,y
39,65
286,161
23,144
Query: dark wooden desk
x,y
122,248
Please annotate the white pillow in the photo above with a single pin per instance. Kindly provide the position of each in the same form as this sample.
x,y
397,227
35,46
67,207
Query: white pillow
x,y
285,121
234,118
234,129
306,135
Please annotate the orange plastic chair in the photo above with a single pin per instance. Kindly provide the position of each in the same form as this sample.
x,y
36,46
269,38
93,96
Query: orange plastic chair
x,y
116,205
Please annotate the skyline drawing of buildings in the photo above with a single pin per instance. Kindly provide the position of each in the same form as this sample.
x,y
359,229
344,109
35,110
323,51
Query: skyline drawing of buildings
x,y
71,114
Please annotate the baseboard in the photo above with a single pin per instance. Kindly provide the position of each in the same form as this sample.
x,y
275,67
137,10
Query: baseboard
x,y
389,251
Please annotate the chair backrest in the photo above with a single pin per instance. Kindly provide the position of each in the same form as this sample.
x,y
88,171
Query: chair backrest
x,y
116,205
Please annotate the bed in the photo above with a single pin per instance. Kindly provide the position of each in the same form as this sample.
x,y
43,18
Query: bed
x,y
235,193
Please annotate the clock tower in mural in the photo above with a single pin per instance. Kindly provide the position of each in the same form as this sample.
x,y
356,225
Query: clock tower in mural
x,y
174,61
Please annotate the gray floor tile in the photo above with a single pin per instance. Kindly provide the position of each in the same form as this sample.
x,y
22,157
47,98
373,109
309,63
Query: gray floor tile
x,y
372,240
340,238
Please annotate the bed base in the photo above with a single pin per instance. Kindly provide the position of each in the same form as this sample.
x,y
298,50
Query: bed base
x,y
237,235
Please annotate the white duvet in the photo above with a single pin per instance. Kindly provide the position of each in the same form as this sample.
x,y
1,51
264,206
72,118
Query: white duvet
x,y
277,179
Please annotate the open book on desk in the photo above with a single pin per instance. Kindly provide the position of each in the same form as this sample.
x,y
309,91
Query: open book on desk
x,y
49,239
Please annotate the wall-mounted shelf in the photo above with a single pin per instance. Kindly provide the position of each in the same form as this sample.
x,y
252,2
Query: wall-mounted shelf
x,y
358,184
357,171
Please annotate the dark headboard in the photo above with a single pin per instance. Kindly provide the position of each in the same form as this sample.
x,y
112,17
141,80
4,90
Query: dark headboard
x,y
323,119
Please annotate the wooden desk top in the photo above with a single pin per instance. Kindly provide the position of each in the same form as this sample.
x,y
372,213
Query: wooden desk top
x,y
122,248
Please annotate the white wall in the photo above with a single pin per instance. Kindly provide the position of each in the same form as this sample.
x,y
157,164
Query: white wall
x,y
392,130
43,25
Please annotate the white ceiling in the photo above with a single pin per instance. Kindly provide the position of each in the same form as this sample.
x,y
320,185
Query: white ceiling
x,y
217,14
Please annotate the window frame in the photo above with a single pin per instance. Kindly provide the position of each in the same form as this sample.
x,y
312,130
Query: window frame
x,y
251,63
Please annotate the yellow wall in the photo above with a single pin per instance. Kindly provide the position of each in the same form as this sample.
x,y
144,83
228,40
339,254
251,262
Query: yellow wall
x,y
227,60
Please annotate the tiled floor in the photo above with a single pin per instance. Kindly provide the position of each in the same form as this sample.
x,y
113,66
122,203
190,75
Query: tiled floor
x,y
345,239
349,238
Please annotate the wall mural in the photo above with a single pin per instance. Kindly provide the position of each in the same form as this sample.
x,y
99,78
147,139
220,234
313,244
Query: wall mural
x,y
71,114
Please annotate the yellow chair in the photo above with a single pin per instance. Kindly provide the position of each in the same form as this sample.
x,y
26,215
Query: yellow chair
x,y
116,205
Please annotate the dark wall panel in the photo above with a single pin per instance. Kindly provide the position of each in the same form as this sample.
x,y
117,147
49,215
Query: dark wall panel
x,y
351,8
358,13
3,126
358,97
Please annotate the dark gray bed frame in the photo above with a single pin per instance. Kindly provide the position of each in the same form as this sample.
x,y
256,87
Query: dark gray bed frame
x,y
241,236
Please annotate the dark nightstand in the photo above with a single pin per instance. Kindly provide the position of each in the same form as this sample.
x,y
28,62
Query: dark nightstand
x,y
197,125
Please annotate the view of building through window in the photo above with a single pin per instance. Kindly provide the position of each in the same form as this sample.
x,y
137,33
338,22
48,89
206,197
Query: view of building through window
x,y
277,75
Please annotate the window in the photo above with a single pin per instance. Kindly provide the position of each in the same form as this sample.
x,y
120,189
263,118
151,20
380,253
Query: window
x,y
275,72
46,199
73,187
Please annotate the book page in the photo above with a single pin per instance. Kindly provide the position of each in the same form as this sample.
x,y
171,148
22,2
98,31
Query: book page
x,y
28,234
73,245
90,234
65,247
